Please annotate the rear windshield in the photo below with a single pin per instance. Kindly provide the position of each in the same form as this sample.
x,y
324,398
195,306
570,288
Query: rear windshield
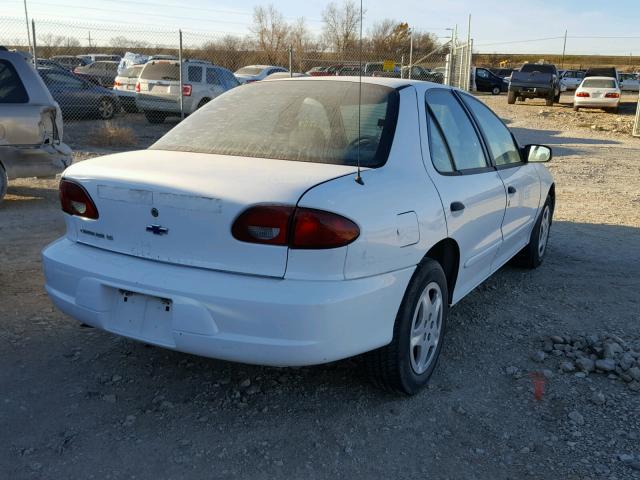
x,y
304,121
534,67
599,83
161,71
249,71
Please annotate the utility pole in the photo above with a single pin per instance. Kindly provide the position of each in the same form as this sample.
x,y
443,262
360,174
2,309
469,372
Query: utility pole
x,y
89,39
26,19
564,49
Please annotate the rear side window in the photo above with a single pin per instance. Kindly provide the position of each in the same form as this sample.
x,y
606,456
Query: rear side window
x,y
537,67
161,71
194,74
213,77
11,87
455,125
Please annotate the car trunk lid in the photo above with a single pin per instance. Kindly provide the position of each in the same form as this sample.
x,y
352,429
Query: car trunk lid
x,y
179,207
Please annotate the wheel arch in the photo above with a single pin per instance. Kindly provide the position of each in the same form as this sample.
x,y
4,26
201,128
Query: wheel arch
x,y
447,253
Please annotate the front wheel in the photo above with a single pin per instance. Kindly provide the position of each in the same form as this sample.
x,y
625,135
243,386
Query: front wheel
x,y
549,102
533,254
406,364
155,117
495,91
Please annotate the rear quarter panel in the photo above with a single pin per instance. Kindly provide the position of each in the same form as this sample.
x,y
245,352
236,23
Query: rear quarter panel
x,y
397,209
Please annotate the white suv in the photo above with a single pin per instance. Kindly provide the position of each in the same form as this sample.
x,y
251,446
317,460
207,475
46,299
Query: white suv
x,y
158,87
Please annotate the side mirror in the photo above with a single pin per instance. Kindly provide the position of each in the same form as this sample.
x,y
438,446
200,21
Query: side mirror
x,y
538,153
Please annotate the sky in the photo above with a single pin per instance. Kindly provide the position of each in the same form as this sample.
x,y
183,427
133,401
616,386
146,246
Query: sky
x,y
534,26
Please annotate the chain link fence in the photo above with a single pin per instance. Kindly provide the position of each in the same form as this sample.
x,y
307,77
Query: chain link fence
x,y
119,86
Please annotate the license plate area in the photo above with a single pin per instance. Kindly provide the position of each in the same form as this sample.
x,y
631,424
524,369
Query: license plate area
x,y
144,317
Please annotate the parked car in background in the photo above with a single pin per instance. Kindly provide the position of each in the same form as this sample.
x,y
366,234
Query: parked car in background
x,y
487,81
124,86
571,79
78,97
70,62
277,75
100,57
331,70
535,80
163,57
48,63
158,87
349,71
254,73
598,92
629,82
418,72
31,129
100,72
247,233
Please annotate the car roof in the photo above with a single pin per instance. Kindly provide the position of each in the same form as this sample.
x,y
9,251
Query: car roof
x,y
599,78
385,81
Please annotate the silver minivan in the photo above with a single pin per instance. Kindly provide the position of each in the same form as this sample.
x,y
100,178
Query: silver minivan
x,y
30,124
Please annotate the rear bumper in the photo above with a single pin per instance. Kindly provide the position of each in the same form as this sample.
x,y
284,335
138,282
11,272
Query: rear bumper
x,y
596,102
157,103
241,318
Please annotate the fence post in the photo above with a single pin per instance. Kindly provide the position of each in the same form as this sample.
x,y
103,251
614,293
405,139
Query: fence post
x,y
35,54
410,54
447,68
401,66
180,73
290,61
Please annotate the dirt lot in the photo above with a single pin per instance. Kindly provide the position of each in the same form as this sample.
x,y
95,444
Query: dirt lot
x,y
80,403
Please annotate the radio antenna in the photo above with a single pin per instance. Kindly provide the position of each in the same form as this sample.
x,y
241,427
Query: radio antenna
x,y
358,176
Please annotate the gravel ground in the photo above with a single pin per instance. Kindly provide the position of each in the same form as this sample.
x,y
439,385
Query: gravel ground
x,y
80,403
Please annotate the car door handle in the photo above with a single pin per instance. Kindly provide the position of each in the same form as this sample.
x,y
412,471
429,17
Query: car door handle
x,y
456,206
511,190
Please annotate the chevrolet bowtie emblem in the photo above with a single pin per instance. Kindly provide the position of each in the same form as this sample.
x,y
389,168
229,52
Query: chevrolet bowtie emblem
x,y
157,229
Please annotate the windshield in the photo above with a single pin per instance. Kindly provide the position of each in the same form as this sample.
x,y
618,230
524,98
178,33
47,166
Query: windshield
x,y
599,83
305,121
249,71
161,71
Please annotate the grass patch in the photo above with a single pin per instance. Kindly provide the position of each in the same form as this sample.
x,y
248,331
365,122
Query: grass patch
x,y
110,135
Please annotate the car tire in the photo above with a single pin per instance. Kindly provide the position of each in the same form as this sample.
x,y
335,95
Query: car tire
x,y
549,102
511,97
406,364
4,182
106,108
203,102
557,98
154,116
495,91
576,108
614,110
533,254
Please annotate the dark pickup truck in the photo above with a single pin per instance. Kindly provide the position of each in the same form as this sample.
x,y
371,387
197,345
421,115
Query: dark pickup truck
x,y
535,80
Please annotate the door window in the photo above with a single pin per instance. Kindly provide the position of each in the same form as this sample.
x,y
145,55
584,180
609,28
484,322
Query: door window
x,y
501,145
194,74
457,129
60,80
11,88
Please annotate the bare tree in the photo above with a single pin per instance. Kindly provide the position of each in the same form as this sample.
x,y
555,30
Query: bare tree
x,y
301,41
270,31
122,43
341,25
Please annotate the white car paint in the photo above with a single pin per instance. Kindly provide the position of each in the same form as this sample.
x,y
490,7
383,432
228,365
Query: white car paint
x,y
589,96
255,73
629,82
267,304
571,79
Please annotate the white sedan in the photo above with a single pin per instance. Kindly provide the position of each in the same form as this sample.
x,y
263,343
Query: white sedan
x,y
246,233
598,92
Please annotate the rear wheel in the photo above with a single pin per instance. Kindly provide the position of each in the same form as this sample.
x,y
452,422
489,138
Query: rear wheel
x,y
557,98
4,182
406,364
155,117
511,97
614,110
576,108
532,255
549,102
106,108
203,102
495,91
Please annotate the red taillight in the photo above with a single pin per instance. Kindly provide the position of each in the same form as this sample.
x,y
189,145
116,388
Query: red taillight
x,y
303,228
117,84
76,201
583,94
186,90
138,87
612,95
